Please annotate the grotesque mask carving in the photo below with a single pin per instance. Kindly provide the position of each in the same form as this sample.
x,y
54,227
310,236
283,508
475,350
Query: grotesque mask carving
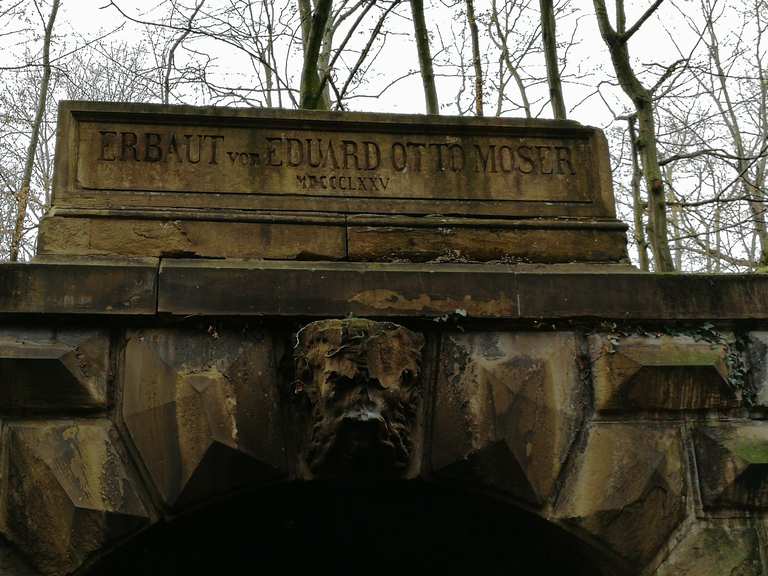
x,y
360,383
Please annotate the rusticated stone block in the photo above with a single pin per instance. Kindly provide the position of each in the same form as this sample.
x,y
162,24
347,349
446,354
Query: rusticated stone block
x,y
628,489
507,408
10,562
662,373
202,409
69,493
758,364
733,465
715,550
53,370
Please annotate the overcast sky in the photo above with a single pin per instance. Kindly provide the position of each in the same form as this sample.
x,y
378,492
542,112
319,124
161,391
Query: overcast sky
x,y
87,19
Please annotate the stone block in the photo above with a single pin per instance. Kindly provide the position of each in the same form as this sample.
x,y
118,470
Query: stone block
x,y
758,366
69,493
627,489
733,465
202,409
665,373
542,241
73,286
53,370
11,564
507,409
715,550
179,236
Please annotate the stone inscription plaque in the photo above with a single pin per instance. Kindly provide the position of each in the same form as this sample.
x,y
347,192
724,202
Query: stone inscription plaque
x,y
482,164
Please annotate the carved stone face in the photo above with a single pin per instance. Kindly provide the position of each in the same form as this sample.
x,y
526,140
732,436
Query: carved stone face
x,y
361,380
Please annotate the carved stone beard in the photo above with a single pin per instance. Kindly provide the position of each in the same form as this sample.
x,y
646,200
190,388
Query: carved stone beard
x,y
360,380
366,434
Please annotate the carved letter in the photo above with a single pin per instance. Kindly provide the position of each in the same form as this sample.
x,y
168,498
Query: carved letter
x,y
399,164
214,149
173,147
440,167
487,161
372,155
456,157
295,152
416,147
350,151
564,157
524,152
545,154
106,143
188,138
272,152
330,153
128,144
506,159
314,163
152,150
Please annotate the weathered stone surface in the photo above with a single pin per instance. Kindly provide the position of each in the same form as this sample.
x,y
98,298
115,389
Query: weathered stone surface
x,y
758,364
53,370
202,409
176,181
358,385
507,408
11,564
639,296
69,493
660,373
539,241
628,488
733,465
715,550
490,291
175,235
79,287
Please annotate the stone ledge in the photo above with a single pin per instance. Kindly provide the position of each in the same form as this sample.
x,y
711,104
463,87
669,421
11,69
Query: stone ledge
x,y
338,289
488,291
75,286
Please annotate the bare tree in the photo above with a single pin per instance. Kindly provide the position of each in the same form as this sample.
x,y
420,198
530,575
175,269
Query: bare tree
x,y
425,56
476,61
642,98
549,40
22,200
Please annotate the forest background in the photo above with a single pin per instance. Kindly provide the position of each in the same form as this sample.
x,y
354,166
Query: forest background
x,y
679,86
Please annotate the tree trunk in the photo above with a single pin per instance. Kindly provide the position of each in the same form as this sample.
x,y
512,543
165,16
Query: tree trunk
x,y
477,63
657,204
305,14
425,56
646,142
311,94
42,99
637,200
549,39
324,66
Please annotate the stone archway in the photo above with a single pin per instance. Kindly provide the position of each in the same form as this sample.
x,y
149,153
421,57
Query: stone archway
x,y
346,528
203,411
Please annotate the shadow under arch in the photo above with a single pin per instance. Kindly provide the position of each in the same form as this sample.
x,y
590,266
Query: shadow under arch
x,y
348,528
